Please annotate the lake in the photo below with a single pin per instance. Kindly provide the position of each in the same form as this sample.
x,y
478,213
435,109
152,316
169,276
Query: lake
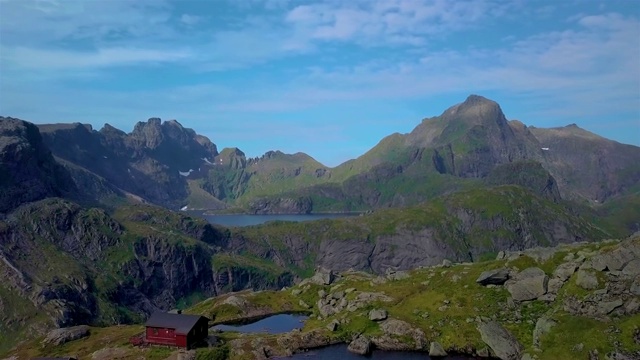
x,y
247,220
340,352
275,324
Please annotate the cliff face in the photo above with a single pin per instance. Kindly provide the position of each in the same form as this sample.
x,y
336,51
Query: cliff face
x,y
83,266
28,171
147,163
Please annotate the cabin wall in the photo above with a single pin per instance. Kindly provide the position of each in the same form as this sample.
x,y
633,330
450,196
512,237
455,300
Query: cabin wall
x,y
163,336
181,341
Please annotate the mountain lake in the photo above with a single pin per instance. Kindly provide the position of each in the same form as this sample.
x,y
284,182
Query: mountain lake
x,y
247,220
274,324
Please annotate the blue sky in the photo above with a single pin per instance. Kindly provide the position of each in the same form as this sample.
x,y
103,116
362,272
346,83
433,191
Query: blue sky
x,y
329,78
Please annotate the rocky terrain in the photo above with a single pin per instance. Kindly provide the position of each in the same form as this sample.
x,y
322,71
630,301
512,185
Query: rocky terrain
x,y
574,301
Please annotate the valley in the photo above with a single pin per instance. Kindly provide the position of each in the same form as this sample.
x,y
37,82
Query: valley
x,y
91,233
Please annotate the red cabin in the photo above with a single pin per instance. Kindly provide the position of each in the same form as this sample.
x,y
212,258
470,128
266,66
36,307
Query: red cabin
x,y
176,329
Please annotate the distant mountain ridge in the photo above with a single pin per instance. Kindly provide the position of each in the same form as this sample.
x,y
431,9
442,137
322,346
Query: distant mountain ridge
x,y
169,165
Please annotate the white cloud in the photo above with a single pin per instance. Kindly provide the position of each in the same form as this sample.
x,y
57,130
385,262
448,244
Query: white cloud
x,y
389,22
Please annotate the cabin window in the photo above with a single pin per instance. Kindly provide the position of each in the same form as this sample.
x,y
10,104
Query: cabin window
x,y
155,331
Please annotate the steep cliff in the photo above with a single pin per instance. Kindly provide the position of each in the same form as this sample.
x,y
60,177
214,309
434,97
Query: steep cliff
x,y
28,171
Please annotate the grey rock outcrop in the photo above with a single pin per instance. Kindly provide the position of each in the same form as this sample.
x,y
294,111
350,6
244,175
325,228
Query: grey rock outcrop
x,y
635,286
529,284
436,350
236,301
586,280
393,330
495,277
323,276
61,336
360,345
564,271
632,268
503,344
333,325
377,315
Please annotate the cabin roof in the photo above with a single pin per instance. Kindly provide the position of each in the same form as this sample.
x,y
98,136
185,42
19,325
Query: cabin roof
x,y
180,322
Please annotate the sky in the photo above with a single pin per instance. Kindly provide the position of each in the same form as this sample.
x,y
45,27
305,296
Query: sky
x,y
326,77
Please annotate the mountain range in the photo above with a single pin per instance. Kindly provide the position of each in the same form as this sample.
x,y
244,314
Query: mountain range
x,y
166,164
89,232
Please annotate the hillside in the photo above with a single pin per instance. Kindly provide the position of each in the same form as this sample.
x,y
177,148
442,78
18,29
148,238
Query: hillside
x,y
578,301
65,265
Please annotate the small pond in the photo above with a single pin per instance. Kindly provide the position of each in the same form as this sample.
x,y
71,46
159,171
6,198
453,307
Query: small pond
x,y
340,352
275,324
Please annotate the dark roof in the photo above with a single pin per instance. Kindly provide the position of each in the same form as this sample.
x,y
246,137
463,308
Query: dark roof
x,y
180,322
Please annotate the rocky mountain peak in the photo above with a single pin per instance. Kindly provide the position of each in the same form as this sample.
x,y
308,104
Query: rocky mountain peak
x,y
108,129
149,134
476,110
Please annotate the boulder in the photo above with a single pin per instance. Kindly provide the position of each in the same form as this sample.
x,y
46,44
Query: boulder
x,y
60,336
632,268
554,285
360,345
587,280
564,271
503,344
236,301
529,284
632,306
436,350
543,326
394,329
396,275
495,277
483,353
109,354
605,307
333,325
635,286
446,263
612,260
323,276
377,314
